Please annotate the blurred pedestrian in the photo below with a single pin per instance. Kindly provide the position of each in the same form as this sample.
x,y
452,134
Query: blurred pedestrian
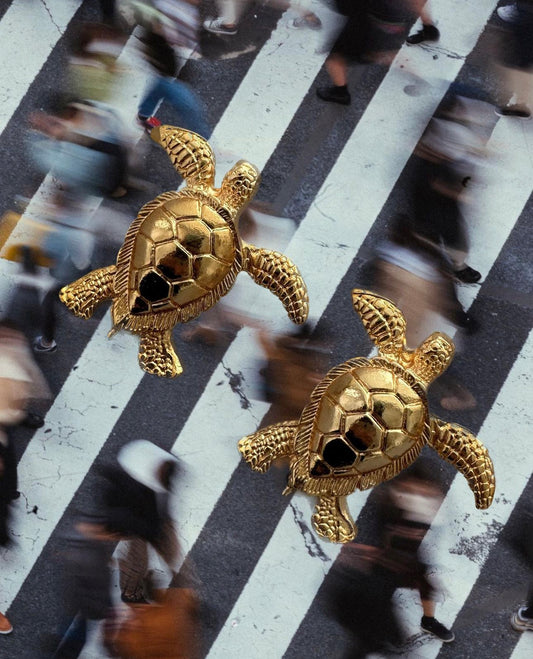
x,y
419,279
20,381
162,32
135,502
407,506
444,164
92,70
373,32
415,275
230,13
516,59
410,503
86,574
294,364
82,149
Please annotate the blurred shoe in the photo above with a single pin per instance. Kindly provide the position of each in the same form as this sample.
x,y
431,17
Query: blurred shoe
x,y
5,626
427,33
217,26
433,626
40,345
202,334
457,402
309,20
148,122
515,110
121,191
133,599
32,420
520,622
467,275
335,94
509,13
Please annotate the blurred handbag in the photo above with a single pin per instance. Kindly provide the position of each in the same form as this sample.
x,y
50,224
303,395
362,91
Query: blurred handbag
x,y
165,629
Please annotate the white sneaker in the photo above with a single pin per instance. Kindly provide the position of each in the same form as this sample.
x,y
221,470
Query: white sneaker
x,y
508,13
216,26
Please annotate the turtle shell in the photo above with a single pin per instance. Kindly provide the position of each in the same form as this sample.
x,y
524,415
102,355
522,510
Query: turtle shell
x,y
179,257
367,420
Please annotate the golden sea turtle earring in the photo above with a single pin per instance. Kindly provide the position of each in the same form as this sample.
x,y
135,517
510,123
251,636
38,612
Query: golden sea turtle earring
x,y
368,420
182,254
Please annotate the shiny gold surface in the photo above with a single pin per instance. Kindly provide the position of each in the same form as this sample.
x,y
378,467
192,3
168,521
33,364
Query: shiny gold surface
x,y
182,254
366,421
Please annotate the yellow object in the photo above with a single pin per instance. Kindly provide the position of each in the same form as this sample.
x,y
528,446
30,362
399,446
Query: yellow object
x,y
368,420
182,254
34,232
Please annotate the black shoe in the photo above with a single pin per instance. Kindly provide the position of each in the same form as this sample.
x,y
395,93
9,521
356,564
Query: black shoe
x,y
433,626
133,599
467,275
40,346
518,111
32,420
427,33
335,94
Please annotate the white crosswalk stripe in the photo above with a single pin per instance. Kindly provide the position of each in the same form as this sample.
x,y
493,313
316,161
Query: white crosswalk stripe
x,y
29,32
278,594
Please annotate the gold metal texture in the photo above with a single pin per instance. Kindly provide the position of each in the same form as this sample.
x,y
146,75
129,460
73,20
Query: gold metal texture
x,y
366,421
182,254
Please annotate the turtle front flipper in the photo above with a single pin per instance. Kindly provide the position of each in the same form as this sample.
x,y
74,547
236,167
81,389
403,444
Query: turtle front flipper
x,y
332,519
190,154
382,320
279,274
84,294
157,355
468,455
264,446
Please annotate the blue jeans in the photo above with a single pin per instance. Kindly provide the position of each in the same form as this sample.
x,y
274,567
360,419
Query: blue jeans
x,y
184,100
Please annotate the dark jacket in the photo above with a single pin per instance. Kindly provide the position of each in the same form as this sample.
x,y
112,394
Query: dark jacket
x,y
130,508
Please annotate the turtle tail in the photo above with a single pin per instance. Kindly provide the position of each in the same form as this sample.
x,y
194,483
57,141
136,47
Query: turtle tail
x,y
278,273
468,455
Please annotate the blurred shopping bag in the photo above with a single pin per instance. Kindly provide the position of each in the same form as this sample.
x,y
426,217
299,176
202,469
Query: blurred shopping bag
x,y
164,629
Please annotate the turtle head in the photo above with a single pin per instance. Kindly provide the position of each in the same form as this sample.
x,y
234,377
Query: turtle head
x,y
239,187
432,357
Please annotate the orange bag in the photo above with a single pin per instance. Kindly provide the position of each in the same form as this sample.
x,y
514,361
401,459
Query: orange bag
x,y
166,629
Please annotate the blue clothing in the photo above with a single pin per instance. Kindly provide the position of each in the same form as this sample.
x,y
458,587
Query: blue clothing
x,y
181,97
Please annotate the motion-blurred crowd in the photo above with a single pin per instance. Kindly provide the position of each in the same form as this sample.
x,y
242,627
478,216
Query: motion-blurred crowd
x,y
87,153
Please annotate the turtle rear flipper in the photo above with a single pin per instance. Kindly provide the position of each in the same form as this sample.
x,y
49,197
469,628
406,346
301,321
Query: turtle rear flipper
x,y
157,355
264,446
468,455
84,294
332,519
278,273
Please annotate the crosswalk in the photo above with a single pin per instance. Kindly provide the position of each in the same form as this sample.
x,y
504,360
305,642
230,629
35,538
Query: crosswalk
x,y
271,601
